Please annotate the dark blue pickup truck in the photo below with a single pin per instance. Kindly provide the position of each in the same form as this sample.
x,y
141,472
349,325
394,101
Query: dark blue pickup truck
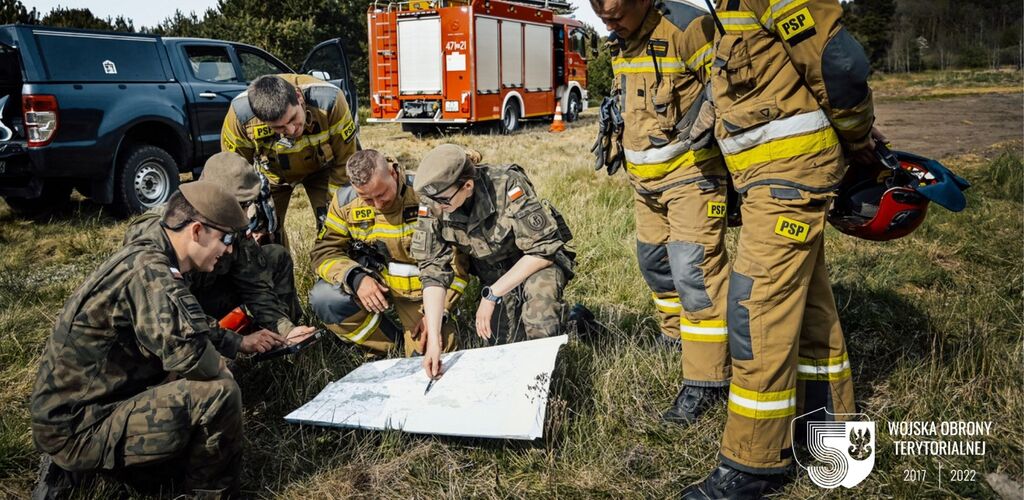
x,y
119,116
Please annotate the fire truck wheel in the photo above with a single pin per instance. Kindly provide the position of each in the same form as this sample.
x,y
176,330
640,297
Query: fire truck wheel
x,y
510,117
573,107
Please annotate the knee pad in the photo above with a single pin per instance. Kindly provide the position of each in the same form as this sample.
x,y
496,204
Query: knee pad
x,y
654,266
330,303
687,276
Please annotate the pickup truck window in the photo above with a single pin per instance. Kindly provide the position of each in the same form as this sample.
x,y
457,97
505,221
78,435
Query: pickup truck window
x,y
255,65
211,63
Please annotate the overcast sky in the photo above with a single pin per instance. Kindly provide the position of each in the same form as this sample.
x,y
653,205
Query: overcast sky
x,y
150,14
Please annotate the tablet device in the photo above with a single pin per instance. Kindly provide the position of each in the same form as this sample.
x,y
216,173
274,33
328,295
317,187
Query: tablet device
x,y
289,349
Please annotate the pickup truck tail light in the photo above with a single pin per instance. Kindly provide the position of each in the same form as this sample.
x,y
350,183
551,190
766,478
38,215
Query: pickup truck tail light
x,y
41,118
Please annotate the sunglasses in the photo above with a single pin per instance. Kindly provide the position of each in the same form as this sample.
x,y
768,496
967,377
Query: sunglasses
x,y
227,238
446,200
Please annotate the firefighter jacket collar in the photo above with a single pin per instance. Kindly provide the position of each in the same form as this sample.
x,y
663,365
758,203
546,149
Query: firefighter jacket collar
x,y
637,43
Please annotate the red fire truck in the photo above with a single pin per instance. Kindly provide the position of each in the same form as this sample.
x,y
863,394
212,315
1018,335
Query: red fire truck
x,y
458,62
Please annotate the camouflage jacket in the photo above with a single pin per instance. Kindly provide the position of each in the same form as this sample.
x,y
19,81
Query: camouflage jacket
x,y
501,222
326,143
388,232
249,274
130,324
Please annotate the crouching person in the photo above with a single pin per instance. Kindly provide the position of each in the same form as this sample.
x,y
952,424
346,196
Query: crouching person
x,y
260,278
133,374
517,245
364,264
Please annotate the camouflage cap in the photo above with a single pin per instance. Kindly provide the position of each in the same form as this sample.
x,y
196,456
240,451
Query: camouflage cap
x,y
439,169
215,204
234,173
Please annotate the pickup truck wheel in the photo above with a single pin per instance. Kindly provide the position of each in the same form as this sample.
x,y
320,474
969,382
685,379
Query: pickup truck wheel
x,y
510,117
146,178
54,196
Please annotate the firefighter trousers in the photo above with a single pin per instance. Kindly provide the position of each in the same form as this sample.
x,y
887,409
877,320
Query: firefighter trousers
x,y
682,256
343,315
788,353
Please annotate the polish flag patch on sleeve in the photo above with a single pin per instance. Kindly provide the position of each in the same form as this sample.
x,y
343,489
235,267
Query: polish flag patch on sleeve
x,y
423,211
515,193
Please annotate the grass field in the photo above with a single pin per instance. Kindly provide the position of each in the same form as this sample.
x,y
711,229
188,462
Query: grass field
x,y
933,324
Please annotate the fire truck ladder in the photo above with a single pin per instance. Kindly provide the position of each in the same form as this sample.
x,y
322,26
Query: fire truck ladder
x,y
385,42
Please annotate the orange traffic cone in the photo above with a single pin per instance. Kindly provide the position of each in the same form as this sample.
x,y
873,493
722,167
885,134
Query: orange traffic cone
x,y
558,125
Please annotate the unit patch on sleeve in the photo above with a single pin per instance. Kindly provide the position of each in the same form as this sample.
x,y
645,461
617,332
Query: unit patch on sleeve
x,y
792,229
716,209
797,27
360,214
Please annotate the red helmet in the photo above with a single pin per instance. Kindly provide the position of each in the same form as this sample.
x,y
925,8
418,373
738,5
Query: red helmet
x,y
881,202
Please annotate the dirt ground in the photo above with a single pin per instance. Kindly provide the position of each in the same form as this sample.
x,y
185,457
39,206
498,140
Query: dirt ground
x,y
941,127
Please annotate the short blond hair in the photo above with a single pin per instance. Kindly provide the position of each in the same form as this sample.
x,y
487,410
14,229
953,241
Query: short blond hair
x,y
361,166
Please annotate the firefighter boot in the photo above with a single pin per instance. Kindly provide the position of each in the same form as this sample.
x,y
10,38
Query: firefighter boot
x,y
727,483
691,402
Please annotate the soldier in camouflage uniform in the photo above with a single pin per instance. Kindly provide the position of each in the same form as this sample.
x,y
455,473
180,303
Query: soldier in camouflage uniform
x,y
296,129
517,244
258,277
133,373
363,260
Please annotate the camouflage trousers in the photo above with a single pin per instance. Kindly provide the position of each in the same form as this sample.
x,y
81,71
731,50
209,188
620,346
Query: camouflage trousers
x,y
532,310
195,423
319,189
221,296
344,316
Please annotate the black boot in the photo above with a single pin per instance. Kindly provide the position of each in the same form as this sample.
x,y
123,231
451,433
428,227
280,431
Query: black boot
x,y
54,482
582,321
692,402
727,483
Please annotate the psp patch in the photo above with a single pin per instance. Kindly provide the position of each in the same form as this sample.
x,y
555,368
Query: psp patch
x,y
360,214
260,131
797,27
716,209
792,229
348,130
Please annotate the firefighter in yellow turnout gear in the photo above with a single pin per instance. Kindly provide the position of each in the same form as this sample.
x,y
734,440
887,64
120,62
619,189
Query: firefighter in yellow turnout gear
x,y
295,129
363,263
660,57
790,90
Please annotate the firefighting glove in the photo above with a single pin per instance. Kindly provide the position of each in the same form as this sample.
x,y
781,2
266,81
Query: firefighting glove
x,y
702,133
607,148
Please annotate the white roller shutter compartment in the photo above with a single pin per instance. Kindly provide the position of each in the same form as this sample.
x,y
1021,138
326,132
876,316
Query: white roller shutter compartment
x,y
419,56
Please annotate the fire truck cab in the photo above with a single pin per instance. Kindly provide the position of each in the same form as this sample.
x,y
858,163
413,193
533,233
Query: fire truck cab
x,y
459,62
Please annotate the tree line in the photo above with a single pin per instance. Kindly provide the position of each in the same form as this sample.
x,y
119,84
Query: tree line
x,y
898,35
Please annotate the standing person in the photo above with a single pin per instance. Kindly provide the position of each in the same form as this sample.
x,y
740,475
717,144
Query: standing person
x,y
295,129
259,277
133,373
364,264
659,57
517,245
791,94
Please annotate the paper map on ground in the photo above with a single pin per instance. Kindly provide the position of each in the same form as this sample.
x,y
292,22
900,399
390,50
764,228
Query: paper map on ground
x,y
492,392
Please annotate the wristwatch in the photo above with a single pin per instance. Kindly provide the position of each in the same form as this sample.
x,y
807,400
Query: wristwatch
x,y
485,293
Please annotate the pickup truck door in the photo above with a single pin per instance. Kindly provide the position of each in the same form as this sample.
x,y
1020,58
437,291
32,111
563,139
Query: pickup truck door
x,y
212,79
329,58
